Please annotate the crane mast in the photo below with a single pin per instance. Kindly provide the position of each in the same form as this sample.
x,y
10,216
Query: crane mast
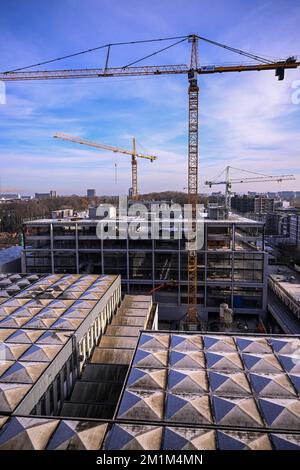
x,y
134,171
193,92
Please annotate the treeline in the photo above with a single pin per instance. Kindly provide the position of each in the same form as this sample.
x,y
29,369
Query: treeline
x,y
13,214
174,196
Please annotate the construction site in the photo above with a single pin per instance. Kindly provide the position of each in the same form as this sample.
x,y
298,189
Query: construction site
x,y
143,342
231,266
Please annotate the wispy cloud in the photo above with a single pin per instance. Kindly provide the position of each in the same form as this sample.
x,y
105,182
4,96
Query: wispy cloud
x,y
246,120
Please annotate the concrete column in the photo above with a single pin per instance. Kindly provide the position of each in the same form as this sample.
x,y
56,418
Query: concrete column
x,y
62,391
77,248
205,264
47,402
232,263
179,275
68,370
38,408
127,264
52,248
102,257
153,264
55,403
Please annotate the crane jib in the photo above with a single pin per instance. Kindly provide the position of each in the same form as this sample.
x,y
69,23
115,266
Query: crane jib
x,y
142,71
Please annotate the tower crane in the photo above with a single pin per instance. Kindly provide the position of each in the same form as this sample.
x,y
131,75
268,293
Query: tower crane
x,y
191,71
133,153
254,179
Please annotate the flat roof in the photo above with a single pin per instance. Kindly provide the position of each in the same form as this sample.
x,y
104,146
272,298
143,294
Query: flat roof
x,y
69,221
36,323
209,381
188,391
288,279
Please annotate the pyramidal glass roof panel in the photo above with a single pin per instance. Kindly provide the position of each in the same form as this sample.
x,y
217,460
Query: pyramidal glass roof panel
x,y
134,437
237,440
244,383
6,333
12,351
23,372
181,438
29,433
11,395
41,353
184,343
23,335
77,435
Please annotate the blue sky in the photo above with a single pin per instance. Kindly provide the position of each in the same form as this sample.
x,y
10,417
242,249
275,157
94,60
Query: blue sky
x,y
246,120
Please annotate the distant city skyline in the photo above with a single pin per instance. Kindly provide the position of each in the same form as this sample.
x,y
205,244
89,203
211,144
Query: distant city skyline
x,y
247,120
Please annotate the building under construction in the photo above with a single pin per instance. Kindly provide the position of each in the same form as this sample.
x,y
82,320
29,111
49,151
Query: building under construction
x,y
231,264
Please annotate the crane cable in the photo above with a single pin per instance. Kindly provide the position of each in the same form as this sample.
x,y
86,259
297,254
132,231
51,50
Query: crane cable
x,y
95,49
237,51
181,39
154,53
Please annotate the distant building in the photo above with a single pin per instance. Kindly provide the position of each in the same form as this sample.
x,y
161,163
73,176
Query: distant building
x,y
91,193
62,214
9,196
294,229
216,211
248,203
263,205
51,194
287,194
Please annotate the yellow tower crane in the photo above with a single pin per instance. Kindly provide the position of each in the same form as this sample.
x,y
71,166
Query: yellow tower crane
x,y
133,153
192,71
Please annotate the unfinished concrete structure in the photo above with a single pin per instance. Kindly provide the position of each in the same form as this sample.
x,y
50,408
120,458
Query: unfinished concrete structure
x,y
232,264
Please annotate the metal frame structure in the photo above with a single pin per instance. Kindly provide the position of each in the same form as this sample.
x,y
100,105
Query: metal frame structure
x,y
134,155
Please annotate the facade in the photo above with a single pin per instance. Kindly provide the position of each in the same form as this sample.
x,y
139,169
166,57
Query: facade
x,y
294,229
45,195
232,265
252,203
289,226
9,197
91,193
